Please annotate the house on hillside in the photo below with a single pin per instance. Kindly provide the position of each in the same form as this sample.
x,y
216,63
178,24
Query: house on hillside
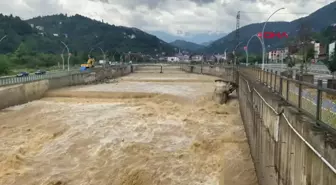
x,y
41,28
323,54
331,49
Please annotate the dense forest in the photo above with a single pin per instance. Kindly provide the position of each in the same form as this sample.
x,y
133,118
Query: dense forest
x,y
37,43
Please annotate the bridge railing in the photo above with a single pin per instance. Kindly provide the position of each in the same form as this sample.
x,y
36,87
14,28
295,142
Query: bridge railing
x,y
315,101
281,145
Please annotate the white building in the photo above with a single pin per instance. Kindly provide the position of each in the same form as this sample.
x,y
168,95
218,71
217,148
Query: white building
x,y
219,57
316,50
173,59
184,58
41,28
331,49
197,58
278,55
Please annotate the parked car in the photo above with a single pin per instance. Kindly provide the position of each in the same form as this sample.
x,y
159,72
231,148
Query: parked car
x,y
40,72
22,74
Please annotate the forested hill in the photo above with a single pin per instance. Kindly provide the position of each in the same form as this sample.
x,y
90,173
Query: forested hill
x,y
36,43
190,46
18,31
82,33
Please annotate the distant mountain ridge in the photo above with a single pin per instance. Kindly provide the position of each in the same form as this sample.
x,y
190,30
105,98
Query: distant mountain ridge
x,y
195,38
317,20
207,43
185,45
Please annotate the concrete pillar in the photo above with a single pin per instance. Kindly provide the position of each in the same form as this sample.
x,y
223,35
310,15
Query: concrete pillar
x,y
220,95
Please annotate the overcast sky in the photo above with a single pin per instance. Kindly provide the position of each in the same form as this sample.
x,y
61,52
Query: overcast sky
x,y
172,16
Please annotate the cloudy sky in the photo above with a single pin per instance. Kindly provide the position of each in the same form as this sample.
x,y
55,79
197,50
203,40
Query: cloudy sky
x,y
172,16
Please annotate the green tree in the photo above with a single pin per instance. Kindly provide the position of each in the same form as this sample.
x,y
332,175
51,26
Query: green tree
x,y
4,65
331,63
308,55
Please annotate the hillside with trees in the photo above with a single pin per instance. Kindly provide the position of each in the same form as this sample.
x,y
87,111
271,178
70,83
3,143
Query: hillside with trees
x,y
185,45
82,33
37,43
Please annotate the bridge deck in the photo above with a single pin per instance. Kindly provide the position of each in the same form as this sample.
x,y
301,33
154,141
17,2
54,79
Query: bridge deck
x,y
134,130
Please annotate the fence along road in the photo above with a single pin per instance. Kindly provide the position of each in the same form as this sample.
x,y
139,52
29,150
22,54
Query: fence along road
x,y
314,100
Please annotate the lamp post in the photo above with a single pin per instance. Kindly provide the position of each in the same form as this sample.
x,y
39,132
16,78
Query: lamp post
x,y
263,41
62,56
3,38
225,55
104,55
234,53
248,42
69,54
90,51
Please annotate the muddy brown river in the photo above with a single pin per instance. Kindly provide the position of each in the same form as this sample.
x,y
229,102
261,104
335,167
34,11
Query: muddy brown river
x,y
143,129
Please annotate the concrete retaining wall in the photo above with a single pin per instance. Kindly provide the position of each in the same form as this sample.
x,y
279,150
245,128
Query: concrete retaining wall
x,y
287,147
223,72
23,93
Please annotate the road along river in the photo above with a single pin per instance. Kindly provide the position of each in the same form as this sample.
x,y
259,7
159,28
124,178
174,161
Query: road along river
x,y
142,129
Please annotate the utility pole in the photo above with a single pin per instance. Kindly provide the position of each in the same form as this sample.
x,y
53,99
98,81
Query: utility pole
x,y
237,26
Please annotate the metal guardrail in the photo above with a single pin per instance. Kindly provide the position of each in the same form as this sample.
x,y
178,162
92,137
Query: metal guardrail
x,y
313,68
315,101
30,78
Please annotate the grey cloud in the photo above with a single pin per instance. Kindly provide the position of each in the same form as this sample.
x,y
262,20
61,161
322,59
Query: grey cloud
x,y
201,2
166,15
151,4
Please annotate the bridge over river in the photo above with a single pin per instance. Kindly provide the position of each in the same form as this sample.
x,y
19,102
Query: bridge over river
x,y
157,125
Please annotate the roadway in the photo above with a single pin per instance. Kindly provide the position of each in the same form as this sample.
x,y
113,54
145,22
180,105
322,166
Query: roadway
x,y
146,128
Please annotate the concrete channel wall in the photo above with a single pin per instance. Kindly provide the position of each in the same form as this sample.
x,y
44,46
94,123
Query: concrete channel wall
x,y
287,147
25,92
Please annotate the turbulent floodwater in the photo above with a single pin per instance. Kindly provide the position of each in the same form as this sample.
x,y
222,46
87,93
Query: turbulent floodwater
x,y
143,129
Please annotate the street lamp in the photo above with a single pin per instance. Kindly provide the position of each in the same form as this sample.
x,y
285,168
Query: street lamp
x,y
263,41
3,38
62,56
225,54
104,55
248,42
234,53
69,54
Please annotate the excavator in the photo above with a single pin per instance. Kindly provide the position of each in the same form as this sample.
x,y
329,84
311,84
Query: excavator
x,y
89,64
